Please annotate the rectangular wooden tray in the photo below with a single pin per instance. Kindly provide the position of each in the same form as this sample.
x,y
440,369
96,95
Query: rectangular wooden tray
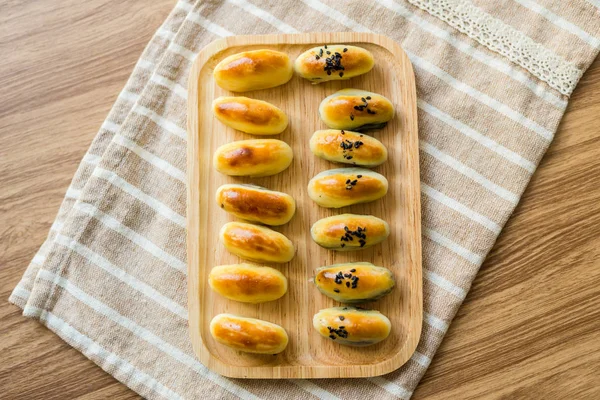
x,y
308,355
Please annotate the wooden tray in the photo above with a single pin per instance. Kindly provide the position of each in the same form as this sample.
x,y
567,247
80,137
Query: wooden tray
x,y
308,355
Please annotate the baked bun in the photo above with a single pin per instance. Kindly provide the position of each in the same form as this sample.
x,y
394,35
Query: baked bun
x,y
248,283
348,147
255,157
250,335
357,282
256,243
257,204
253,70
250,115
342,187
352,326
347,232
356,110
333,62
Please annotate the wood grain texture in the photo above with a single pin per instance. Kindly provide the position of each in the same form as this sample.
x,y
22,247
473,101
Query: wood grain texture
x,y
528,329
307,355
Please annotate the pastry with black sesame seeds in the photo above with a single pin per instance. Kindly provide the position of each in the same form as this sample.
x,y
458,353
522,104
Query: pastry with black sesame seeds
x,y
361,282
333,62
336,188
356,110
348,147
352,326
347,232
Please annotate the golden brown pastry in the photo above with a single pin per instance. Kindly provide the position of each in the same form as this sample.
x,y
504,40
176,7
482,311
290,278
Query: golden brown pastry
x,y
342,187
253,70
250,115
255,157
333,62
255,203
348,147
256,243
352,326
357,282
347,232
248,283
250,335
356,110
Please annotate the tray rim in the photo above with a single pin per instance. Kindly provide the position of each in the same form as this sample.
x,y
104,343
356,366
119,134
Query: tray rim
x,y
193,205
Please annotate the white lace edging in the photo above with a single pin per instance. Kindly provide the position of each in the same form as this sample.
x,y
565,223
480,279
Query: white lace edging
x,y
506,40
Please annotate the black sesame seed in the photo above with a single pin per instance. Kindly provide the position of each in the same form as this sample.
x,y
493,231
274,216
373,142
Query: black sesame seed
x,y
348,181
325,46
353,270
223,205
317,57
368,97
345,50
347,284
354,182
344,245
363,99
336,290
341,74
349,158
343,133
329,72
348,275
332,337
352,117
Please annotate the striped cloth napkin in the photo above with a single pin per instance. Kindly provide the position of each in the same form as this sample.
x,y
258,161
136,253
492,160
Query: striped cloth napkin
x,y
493,83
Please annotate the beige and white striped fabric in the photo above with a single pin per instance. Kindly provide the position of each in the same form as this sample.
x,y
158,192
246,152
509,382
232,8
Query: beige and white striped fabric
x,y
493,82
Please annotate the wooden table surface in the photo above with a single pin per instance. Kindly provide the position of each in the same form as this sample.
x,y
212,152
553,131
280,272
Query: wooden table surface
x,y
529,328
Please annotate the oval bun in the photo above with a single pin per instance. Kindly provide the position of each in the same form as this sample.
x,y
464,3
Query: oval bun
x,y
357,282
250,335
348,232
256,243
248,283
253,70
356,110
352,326
250,115
342,187
348,147
257,204
342,62
254,158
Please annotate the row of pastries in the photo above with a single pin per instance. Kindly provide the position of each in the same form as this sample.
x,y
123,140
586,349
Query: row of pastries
x,y
348,113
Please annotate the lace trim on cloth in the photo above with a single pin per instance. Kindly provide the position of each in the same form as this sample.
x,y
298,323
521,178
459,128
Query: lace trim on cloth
x,y
506,40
